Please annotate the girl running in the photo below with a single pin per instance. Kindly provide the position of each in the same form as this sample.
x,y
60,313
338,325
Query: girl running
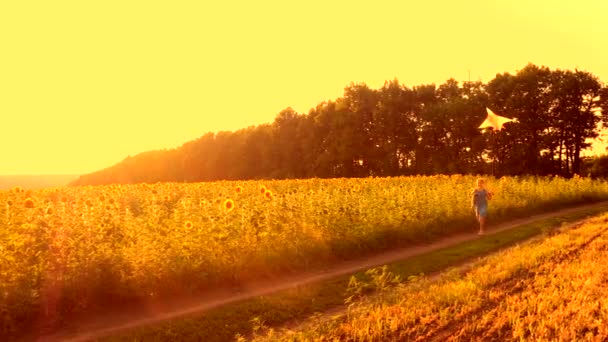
x,y
479,202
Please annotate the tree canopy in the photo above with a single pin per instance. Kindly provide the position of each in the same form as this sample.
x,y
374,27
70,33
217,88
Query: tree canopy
x,y
398,130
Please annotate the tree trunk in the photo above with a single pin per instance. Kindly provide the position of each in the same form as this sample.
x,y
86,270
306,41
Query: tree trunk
x,y
576,162
561,153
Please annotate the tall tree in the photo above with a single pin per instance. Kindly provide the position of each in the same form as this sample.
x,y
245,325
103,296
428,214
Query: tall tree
x,y
393,132
577,113
290,147
525,96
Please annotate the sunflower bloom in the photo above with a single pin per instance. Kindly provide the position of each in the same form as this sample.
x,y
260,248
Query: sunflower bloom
x,y
262,189
28,203
238,189
188,225
268,194
228,204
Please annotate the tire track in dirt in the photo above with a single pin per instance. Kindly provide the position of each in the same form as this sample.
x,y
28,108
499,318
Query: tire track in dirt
x,y
513,285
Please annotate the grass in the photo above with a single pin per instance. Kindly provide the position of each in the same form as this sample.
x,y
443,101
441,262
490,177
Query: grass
x,y
243,318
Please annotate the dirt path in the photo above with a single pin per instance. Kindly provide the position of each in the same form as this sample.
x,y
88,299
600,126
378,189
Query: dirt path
x,y
461,267
103,326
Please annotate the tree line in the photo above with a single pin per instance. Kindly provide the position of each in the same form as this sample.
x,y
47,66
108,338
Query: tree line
x,y
399,130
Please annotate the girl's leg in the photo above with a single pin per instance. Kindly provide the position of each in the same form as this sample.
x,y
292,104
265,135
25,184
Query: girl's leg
x,y
482,225
483,212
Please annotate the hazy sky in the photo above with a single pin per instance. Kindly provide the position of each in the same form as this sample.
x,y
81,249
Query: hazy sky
x,y
83,84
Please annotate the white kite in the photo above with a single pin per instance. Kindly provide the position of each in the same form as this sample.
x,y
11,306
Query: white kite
x,y
495,121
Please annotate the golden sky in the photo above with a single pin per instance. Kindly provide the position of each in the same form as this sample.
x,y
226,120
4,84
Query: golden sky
x,y
83,84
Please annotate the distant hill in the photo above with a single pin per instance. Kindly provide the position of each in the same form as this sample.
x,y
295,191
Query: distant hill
x,y
35,181
150,166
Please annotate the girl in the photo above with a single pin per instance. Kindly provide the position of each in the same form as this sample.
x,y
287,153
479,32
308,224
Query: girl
x,y
479,202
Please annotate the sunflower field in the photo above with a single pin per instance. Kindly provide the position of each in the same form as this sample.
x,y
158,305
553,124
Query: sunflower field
x,y
68,250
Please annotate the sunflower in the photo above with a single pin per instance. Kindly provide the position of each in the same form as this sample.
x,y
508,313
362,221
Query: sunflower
x,y
28,203
228,204
262,189
188,225
238,189
268,194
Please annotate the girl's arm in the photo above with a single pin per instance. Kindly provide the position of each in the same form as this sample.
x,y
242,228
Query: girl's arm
x,y
489,195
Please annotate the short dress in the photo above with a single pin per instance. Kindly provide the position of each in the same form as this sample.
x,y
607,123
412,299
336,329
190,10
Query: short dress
x,y
480,202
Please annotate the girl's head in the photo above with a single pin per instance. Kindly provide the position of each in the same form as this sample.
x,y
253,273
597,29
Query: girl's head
x,y
481,183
